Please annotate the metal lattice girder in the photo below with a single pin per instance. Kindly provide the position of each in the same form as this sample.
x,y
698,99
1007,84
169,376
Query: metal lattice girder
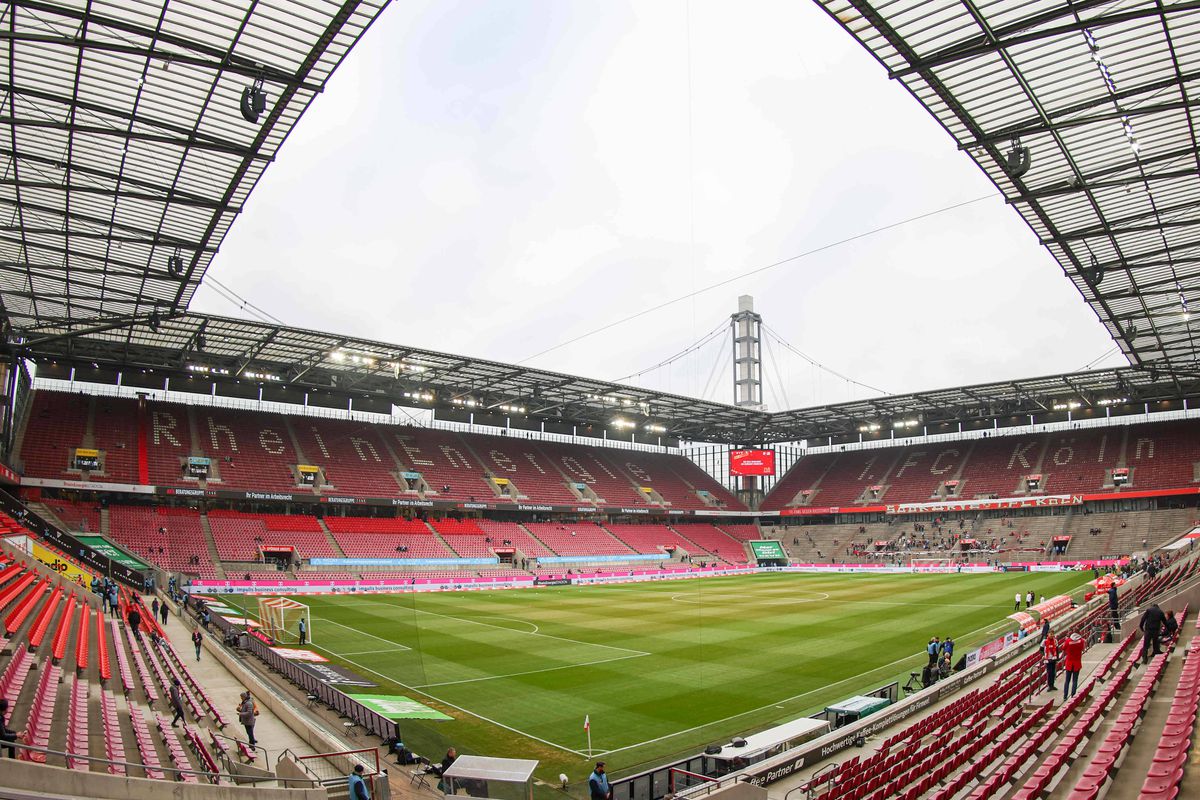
x,y
310,360
1105,97
122,142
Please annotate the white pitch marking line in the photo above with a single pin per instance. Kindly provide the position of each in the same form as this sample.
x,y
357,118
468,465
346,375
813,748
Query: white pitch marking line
x,y
373,652
527,633
785,700
781,601
458,708
529,672
395,645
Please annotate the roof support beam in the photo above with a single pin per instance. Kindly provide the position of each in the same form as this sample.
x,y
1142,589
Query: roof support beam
x,y
1019,32
166,57
1035,126
184,144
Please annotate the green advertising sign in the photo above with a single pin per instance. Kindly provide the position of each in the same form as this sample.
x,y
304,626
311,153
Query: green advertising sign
x,y
395,706
101,545
768,550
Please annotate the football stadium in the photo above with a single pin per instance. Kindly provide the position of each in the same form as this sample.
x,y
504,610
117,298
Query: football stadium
x,y
343,557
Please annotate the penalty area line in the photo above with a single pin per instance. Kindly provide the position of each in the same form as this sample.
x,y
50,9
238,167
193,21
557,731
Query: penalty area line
x,y
530,672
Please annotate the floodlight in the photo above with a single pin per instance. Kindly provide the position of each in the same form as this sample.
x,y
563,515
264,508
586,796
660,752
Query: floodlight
x,y
254,101
1093,273
200,341
154,321
1017,160
175,265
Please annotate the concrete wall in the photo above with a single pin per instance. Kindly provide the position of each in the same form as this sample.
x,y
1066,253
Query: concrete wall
x,y
46,781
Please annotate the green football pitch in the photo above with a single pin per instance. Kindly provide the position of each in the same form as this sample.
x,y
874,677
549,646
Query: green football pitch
x,y
658,668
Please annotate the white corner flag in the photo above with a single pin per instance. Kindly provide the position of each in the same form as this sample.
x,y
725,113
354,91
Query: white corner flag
x,y
587,726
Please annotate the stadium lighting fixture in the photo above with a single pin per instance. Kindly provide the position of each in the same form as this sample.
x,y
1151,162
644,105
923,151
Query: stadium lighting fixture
x,y
619,422
175,264
200,341
1093,273
1017,160
652,428
254,101
1070,405
869,427
154,322
338,356
906,423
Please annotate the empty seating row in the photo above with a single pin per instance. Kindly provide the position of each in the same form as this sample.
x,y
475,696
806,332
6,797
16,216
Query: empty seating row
x,y
114,746
41,714
77,730
1165,774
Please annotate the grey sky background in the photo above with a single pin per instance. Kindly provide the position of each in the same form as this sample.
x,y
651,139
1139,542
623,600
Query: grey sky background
x,y
493,179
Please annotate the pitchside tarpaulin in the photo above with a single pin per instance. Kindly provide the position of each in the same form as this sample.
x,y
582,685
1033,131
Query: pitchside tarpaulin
x,y
395,706
336,675
292,654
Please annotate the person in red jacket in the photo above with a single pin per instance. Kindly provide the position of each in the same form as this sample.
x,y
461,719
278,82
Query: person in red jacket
x,y
1072,658
1051,655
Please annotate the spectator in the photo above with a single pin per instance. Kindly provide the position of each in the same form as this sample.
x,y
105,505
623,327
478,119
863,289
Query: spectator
x,y
302,629
163,612
1170,626
1050,655
247,714
135,621
358,787
176,702
1072,658
7,734
154,609
598,783
197,638
948,648
1017,602
932,651
1151,625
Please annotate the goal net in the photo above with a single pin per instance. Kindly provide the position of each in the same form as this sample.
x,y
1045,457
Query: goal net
x,y
281,618
933,564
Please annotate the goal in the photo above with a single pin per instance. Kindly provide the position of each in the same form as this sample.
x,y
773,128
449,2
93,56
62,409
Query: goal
x,y
933,564
280,618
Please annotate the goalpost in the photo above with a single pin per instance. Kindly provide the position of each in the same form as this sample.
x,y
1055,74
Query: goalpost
x,y
280,618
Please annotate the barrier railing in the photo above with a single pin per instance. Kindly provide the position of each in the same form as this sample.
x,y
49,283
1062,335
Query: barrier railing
x,y
369,720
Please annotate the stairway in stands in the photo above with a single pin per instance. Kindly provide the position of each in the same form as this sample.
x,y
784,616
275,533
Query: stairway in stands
x,y
337,548
212,547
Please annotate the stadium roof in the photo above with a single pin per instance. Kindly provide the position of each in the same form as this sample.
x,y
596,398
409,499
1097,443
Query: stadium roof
x,y
1101,95
123,143
223,349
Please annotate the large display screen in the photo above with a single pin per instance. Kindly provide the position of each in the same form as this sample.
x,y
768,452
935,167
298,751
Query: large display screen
x,y
751,462
768,550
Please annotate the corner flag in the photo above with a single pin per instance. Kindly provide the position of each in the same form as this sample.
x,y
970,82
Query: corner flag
x,y
587,726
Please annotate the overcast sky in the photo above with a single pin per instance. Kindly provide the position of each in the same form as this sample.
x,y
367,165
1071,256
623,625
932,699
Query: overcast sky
x,y
494,179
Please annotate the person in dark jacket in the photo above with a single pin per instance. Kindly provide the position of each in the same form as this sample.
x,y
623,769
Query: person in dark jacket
x,y
1151,626
247,715
357,786
197,638
135,621
598,784
177,702
163,612
1112,604
1170,626
7,734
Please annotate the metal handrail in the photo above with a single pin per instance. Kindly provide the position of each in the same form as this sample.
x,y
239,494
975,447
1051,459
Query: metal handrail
x,y
173,770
